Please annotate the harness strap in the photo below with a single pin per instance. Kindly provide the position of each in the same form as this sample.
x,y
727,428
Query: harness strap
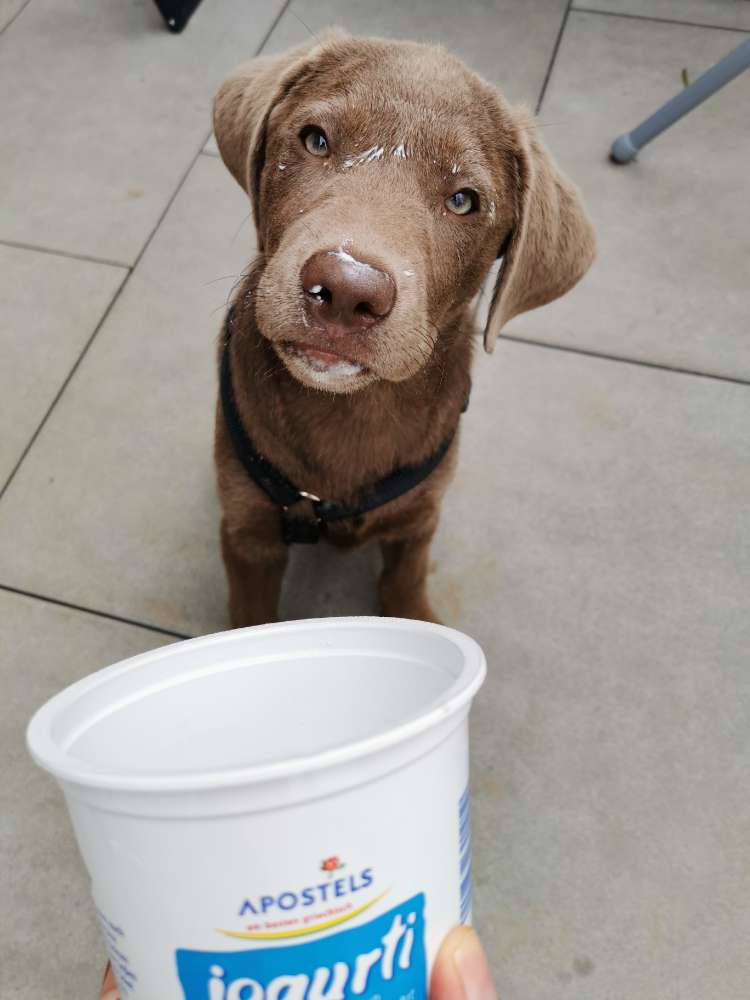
x,y
285,495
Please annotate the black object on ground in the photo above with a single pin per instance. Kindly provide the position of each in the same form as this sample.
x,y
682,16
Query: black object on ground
x,y
177,13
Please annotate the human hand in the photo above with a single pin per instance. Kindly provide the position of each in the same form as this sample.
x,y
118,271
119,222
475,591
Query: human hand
x,y
109,986
460,972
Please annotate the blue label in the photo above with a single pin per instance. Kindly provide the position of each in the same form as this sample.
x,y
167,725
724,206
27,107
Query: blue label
x,y
384,958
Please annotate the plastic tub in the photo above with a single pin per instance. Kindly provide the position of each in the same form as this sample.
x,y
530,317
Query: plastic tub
x,y
275,813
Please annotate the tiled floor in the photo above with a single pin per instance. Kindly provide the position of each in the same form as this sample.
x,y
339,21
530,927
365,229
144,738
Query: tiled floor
x,y
602,558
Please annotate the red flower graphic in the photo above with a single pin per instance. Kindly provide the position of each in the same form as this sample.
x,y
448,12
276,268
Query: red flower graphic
x,y
331,864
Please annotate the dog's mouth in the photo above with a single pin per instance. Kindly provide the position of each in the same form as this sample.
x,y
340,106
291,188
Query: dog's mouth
x,y
322,362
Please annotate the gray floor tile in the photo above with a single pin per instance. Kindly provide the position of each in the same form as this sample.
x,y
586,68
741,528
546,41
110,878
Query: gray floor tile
x,y
50,306
94,146
716,13
510,43
672,227
595,542
109,515
8,10
51,943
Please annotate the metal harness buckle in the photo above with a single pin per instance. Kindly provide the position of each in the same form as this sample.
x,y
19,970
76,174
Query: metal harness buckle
x,y
301,530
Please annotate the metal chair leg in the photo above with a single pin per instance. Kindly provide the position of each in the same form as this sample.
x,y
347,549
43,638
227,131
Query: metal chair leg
x,y
625,147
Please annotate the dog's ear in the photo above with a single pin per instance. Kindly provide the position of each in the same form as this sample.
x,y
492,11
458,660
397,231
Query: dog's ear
x,y
245,101
551,245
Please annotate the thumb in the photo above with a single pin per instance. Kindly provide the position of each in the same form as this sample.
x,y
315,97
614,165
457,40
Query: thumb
x,y
109,986
461,971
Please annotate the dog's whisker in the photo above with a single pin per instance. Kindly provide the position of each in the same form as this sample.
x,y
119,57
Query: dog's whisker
x,y
223,277
242,276
239,230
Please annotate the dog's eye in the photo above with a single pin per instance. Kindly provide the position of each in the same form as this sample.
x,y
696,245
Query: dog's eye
x,y
314,141
462,202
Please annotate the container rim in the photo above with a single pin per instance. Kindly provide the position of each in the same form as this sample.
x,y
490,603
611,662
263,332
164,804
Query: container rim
x,y
49,755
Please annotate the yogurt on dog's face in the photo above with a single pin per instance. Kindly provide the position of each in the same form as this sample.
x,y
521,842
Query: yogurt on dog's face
x,y
277,813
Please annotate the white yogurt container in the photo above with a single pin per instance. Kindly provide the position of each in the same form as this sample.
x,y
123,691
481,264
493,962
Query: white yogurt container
x,y
275,813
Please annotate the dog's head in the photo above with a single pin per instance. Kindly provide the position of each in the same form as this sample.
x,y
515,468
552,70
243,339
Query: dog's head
x,y
385,179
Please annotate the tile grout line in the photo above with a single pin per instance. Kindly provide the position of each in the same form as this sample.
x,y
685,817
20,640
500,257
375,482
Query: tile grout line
x,y
619,359
61,390
44,598
97,328
658,20
284,7
15,17
70,254
553,57
125,280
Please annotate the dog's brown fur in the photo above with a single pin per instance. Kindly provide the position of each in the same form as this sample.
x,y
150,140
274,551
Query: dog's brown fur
x,y
440,128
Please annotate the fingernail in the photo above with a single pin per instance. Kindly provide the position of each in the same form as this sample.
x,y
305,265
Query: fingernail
x,y
473,971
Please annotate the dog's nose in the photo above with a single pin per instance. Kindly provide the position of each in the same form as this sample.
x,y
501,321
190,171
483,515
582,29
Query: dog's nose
x,y
344,294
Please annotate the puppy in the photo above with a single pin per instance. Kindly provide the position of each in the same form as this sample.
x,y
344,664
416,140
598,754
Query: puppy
x,y
385,178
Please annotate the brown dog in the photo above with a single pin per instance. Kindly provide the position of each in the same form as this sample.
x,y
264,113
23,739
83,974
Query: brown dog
x,y
385,179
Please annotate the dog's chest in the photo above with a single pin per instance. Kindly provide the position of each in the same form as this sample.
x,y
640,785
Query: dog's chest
x,y
350,532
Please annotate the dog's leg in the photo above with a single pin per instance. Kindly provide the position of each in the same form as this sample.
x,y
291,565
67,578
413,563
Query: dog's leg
x,y
403,582
255,568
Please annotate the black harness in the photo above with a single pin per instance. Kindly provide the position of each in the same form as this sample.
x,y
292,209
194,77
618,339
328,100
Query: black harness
x,y
296,525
